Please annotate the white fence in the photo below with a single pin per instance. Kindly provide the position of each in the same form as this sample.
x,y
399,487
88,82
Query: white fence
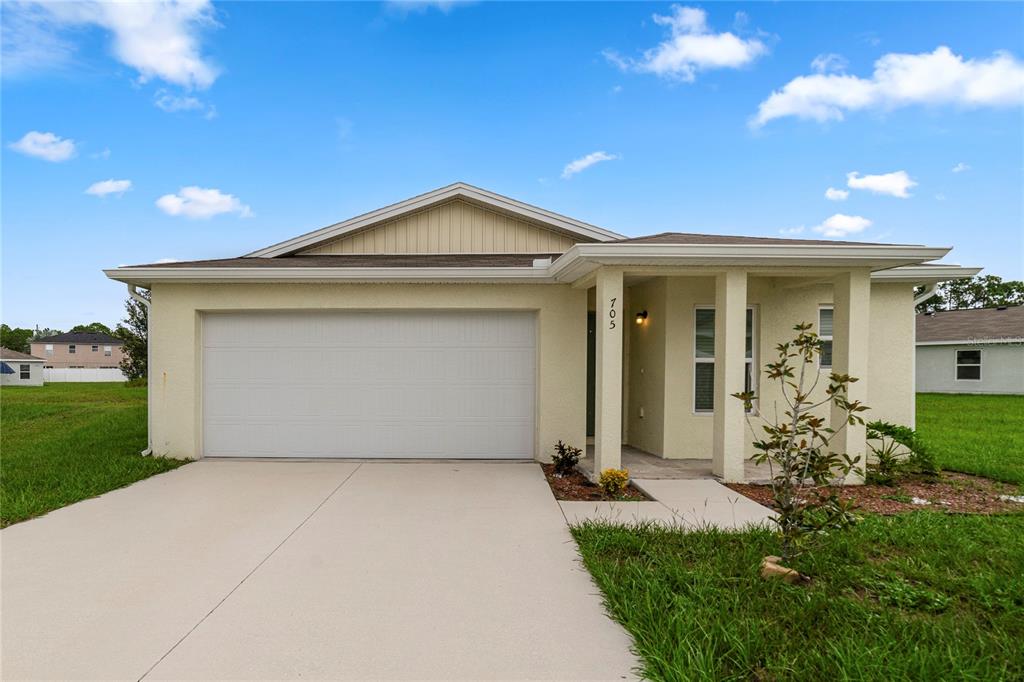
x,y
59,374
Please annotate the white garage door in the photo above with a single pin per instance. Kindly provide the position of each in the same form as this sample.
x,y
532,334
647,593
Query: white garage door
x,y
369,384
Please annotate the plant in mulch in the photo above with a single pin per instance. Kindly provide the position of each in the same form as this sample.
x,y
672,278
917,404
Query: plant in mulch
x,y
565,459
797,447
896,452
613,482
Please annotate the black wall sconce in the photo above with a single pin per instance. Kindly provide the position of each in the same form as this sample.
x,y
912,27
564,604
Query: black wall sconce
x,y
641,317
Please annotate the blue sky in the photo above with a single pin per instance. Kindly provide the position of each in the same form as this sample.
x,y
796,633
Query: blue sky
x,y
291,116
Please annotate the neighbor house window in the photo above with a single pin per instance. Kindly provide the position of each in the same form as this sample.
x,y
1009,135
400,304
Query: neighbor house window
x,y
107,350
71,348
95,349
825,334
968,365
26,371
49,349
704,359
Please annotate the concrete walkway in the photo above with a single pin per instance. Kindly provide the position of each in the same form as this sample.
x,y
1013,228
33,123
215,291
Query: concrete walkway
x,y
693,503
282,570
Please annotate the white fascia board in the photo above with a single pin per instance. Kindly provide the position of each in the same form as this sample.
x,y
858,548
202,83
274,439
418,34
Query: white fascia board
x,y
927,273
145,276
457,190
1008,341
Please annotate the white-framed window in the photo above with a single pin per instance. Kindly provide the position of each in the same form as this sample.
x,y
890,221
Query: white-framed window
x,y
49,349
26,372
95,349
968,364
825,334
71,348
704,358
108,350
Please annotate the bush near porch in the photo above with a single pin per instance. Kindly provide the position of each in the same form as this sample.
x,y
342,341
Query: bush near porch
x,y
61,443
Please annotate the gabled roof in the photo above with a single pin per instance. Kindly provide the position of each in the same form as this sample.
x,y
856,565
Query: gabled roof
x,y
81,337
696,238
8,354
459,190
1005,323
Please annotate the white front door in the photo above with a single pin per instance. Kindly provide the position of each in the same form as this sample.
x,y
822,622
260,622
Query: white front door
x,y
434,384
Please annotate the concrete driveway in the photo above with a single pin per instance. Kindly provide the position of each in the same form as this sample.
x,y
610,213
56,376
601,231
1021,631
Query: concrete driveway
x,y
280,570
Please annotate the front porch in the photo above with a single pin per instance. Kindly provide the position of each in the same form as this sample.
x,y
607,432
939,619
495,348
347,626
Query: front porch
x,y
644,465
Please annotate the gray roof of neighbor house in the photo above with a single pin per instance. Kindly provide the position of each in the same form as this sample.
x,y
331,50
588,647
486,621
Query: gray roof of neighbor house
x,y
973,324
81,337
8,354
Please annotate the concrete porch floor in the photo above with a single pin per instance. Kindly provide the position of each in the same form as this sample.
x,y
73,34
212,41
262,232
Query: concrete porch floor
x,y
644,465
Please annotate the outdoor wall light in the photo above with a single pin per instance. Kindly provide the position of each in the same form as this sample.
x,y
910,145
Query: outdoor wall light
x,y
641,317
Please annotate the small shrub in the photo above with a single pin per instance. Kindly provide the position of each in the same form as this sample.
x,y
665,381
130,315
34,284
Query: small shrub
x,y
896,452
565,459
136,383
613,482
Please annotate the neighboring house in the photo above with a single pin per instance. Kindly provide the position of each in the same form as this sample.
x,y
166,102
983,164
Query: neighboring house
x,y
979,350
79,350
20,369
461,323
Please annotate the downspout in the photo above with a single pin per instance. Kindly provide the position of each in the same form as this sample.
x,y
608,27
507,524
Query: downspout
x,y
134,293
928,292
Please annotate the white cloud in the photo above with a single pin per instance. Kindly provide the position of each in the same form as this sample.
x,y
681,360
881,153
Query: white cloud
x,y
842,225
105,187
833,194
158,39
690,47
105,154
200,202
894,184
829,63
900,80
406,7
168,260
172,103
585,162
792,230
46,146
960,167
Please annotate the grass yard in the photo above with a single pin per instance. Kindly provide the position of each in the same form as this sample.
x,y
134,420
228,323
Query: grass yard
x,y
921,596
66,442
976,434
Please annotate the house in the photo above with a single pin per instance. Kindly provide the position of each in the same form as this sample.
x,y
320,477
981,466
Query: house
x,y
980,350
79,350
20,369
464,324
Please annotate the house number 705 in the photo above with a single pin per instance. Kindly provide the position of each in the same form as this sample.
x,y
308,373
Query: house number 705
x,y
611,314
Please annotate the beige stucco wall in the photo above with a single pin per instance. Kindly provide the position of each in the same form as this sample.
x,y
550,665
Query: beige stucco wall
x,y
177,343
672,429
452,227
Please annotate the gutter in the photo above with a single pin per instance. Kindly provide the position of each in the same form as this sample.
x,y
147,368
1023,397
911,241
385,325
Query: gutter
x,y
928,292
133,292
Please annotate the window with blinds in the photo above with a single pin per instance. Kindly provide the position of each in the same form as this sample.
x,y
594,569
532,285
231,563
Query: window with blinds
x,y
704,359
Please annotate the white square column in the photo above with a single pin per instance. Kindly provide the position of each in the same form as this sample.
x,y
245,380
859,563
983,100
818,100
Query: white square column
x,y
611,318
851,305
730,358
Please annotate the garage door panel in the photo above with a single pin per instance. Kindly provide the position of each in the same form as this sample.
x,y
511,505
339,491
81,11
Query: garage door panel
x,y
369,384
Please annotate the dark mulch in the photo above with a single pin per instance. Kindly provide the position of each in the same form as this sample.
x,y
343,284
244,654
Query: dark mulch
x,y
576,487
950,491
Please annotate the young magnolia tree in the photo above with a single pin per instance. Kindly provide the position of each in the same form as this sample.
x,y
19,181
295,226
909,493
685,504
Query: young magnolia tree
x,y
798,445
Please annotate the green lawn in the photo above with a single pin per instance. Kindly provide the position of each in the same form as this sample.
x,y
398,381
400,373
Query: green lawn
x,y
976,434
922,596
62,443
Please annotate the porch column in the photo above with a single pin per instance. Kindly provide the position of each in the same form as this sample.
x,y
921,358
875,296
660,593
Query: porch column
x,y
608,372
730,353
851,304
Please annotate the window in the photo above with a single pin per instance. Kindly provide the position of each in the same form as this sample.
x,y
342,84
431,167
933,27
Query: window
x,y
49,349
704,359
968,365
107,350
825,334
95,349
26,372
71,348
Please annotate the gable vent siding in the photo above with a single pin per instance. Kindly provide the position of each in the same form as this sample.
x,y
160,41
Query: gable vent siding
x,y
452,227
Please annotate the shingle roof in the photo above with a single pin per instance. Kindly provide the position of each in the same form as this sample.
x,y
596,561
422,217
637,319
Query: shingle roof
x,y
385,260
81,337
975,324
694,238
8,354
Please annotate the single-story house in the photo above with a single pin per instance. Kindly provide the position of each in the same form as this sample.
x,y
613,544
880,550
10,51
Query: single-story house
x,y
20,369
978,350
79,350
461,323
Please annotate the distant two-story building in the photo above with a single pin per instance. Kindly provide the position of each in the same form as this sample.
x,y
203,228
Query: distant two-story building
x,y
79,350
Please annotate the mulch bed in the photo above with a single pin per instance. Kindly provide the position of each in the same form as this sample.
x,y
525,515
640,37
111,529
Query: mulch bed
x,y
576,487
950,492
